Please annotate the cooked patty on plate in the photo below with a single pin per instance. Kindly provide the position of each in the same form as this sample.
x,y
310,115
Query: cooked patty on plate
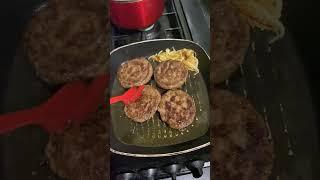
x,y
81,151
230,36
135,72
241,146
67,40
177,109
170,74
145,107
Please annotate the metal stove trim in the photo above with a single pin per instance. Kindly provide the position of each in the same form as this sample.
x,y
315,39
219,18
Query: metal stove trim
x,y
150,40
160,155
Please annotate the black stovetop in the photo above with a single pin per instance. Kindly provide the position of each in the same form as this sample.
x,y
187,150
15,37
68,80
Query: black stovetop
x,y
177,23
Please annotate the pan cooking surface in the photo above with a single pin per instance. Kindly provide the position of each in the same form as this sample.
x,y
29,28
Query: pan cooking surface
x,y
154,132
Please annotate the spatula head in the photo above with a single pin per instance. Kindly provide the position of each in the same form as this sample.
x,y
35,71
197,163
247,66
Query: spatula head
x,y
92,99
76,102
58,107
136,94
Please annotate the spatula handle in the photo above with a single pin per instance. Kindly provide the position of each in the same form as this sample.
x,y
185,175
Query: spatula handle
x,y
11,121
116,99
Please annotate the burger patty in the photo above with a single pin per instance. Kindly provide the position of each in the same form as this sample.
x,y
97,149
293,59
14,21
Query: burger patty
x,y
145,107
177,109
171,74
80,152
230,37
135,72
67,40
242,149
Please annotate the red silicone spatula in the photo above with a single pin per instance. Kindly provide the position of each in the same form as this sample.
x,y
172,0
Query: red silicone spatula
x,y
93,98
71,104
52,115
129,96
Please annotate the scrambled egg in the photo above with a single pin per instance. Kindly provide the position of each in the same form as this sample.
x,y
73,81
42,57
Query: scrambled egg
x,y
186,56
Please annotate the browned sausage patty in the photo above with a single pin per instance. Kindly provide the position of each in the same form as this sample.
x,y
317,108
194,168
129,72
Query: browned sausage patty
x,y
80,152
145,107
177,109
67,40
230,38
171,74
135,72
241,146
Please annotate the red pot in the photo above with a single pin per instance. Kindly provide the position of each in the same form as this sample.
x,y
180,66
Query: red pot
x,y
135,14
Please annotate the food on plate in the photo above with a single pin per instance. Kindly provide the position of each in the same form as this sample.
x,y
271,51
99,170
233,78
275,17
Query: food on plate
x,y
67,40
264,14
145,106
80,152
170,74
177,109
230,37
243,148
135,72
186,56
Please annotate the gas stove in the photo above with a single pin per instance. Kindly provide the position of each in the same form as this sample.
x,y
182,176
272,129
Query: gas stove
x,y
180,20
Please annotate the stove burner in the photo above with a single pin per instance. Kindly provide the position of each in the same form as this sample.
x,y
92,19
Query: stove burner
x,y
148,28
123,36
153,32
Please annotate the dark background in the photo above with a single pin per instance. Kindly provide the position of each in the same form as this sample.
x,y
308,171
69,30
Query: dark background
x,y
301,19
302,22
14,16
